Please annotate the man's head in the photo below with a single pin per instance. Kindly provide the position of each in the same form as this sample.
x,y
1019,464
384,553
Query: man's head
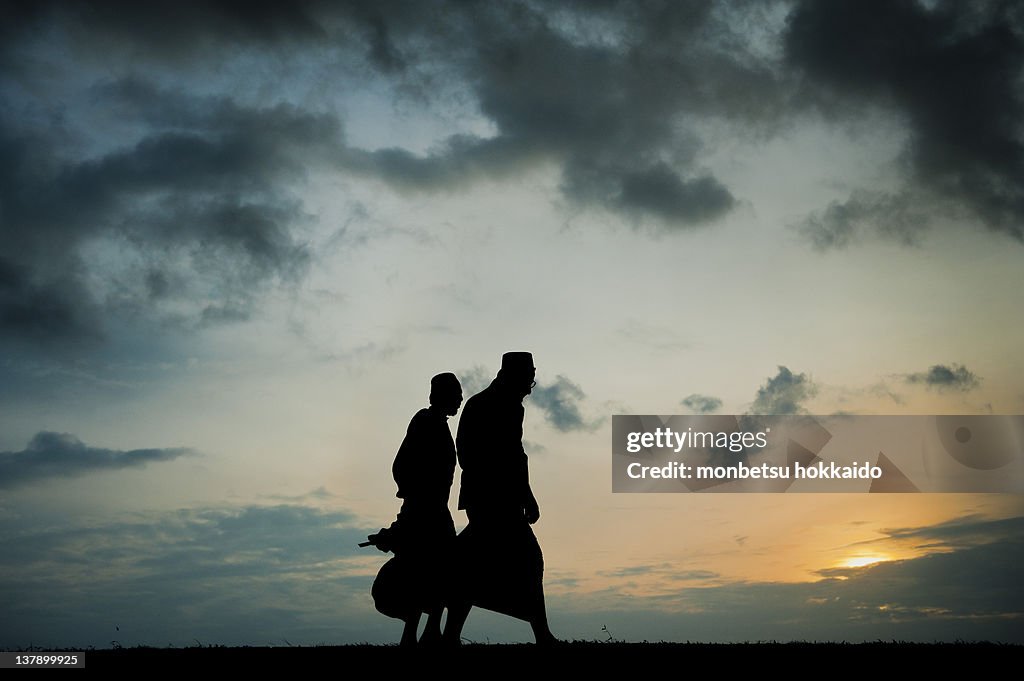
x,y
446,393
518,373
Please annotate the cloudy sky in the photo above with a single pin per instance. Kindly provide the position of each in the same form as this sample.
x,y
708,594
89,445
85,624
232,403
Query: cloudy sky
x,y
236,244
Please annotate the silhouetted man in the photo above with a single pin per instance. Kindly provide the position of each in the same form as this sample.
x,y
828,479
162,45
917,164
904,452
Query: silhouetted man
x,y
501,567
422,538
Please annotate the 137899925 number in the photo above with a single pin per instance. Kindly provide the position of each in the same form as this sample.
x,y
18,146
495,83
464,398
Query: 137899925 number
x,y
9,660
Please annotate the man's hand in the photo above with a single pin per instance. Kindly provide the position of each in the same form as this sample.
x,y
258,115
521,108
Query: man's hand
x,y
531,511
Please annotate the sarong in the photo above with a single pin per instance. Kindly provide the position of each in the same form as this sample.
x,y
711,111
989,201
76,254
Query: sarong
x,y
500,565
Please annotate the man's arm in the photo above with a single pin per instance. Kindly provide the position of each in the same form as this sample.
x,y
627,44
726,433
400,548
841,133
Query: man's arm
x,y
531,510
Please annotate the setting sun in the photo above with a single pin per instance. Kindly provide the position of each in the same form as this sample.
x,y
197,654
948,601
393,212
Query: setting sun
x,y
862,561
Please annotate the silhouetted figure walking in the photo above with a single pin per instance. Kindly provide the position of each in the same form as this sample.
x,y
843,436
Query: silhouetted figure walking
x,y
417,579
501,567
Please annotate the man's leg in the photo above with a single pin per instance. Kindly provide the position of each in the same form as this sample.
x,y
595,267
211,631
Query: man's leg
x,y
432,632
412,623
457,614
541,632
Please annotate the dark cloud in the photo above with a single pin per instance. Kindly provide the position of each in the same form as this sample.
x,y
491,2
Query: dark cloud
x,y
193,197
606,92
162,29
898,217
198,209
209,542
940,586
196,188
614,94
59,455
609,92
659,191
961,532
943,377
783,394
952,70
560,403
702,404
43,310
183,33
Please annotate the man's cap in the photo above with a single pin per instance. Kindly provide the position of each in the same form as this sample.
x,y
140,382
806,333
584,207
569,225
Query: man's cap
x,y
445,380
517,361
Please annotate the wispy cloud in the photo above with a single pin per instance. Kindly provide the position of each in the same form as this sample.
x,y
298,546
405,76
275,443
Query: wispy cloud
x,y
702,404
945,377
248,575
59,455
560,402
784,393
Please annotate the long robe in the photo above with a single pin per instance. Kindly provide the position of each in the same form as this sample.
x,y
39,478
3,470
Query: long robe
x,y
501,566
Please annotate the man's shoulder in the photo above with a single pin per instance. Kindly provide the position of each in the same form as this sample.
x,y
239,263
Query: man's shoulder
x,y
420,419
476,412
481,398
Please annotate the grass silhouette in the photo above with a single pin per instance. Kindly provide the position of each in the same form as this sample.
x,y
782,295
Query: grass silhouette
x,y
596,655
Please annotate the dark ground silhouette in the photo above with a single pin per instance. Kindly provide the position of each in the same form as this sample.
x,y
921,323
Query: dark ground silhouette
x,y
810,658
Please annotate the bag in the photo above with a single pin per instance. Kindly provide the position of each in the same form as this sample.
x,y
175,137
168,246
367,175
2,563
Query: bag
x,y
392,590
